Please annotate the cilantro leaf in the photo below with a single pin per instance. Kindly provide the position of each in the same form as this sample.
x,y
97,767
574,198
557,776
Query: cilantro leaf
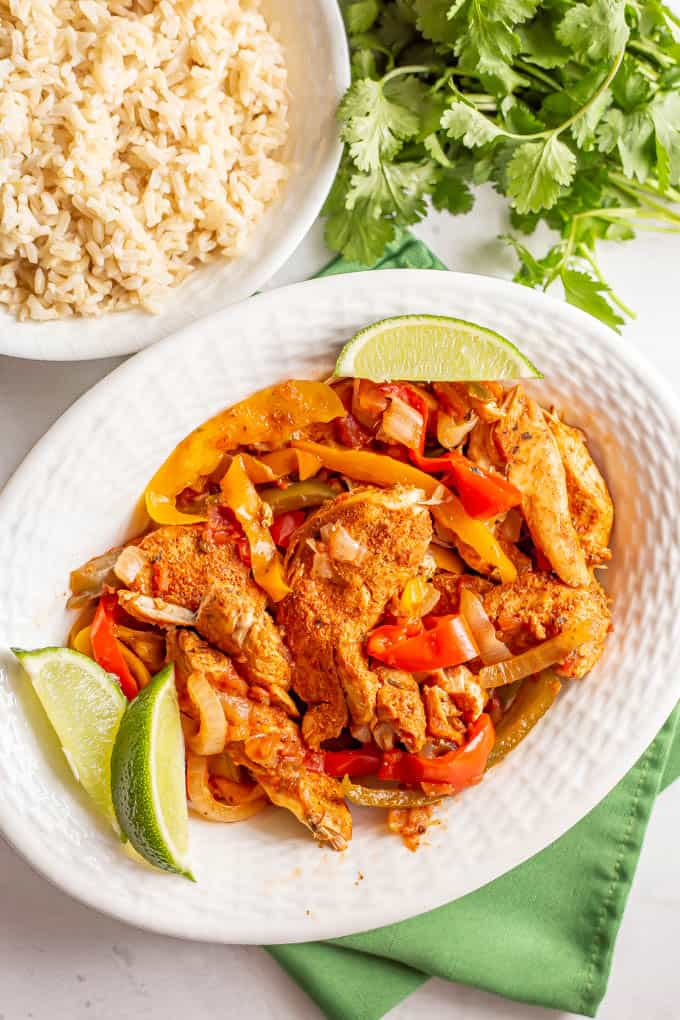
x,y
586,293
595,31
394,188
373,125
468,124
539,43
584,127
665,114
630,88
452,193
531,273
537,171
631,134
434,19
360,16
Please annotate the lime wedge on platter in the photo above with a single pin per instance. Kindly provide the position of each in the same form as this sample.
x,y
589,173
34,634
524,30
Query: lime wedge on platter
x,y
147,776
85,706
431,348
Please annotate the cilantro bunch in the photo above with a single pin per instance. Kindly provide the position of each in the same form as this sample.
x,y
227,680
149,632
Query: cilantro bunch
x,y
570,110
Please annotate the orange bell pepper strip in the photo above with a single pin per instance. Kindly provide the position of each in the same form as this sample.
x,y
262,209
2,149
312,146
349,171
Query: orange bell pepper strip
x,y
270,416
252,513
378,469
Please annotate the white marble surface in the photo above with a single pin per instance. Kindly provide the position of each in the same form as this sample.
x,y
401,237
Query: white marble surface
x,y
59,961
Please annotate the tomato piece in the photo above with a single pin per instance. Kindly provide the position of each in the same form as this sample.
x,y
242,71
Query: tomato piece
x,y
460,768
285,525
222,528
350,433
360,761
445,641
105,648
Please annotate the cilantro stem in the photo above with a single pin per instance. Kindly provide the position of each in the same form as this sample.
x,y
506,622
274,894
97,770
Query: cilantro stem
x,y
535,72
643,196
409,69
651,51
585,253
670,193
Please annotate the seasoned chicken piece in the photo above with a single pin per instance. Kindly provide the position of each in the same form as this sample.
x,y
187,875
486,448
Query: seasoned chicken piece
x,y
590,504
241,626
399,711
449,586
535,468
536,607
186,579
266,742
453,699
326,618
411,824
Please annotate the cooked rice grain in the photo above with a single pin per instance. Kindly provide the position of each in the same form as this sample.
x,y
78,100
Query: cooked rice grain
x,y
138,139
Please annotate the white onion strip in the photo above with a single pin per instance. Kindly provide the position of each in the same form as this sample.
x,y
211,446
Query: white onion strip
x,y
491,650
202,800
211,734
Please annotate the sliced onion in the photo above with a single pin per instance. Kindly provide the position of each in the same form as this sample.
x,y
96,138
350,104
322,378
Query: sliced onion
x,y
211,735
130,564
511,525
341,546
451,433
204,803
237,713
491,649
401,423
87,582
539,658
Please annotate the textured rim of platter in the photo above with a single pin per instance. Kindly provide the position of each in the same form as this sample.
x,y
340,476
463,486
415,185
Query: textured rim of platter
x,y
265,880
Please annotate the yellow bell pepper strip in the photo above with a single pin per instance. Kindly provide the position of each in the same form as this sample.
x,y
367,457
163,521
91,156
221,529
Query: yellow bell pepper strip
x,y
538,658
378,469
82,643
270,416
253,515
298,496
532,701
272,466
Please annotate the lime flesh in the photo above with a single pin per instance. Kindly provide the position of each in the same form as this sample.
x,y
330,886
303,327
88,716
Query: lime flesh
x,y
84,705
431,348
147,776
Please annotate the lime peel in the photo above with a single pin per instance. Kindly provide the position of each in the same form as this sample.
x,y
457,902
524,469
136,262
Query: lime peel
x,y
147,776
431,348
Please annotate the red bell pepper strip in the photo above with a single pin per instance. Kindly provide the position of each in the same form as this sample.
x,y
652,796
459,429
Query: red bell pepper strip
x,y
483,493
446,641
359,761
285,525
105,647
460,768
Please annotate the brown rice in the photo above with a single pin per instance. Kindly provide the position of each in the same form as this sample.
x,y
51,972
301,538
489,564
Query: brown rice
x,y
138,139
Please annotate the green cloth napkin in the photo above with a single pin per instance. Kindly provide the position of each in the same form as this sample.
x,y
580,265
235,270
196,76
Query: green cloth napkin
x,y
543,933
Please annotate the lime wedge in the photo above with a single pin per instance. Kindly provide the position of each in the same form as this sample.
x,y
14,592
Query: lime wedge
x,y
147,776
85,705
431,348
